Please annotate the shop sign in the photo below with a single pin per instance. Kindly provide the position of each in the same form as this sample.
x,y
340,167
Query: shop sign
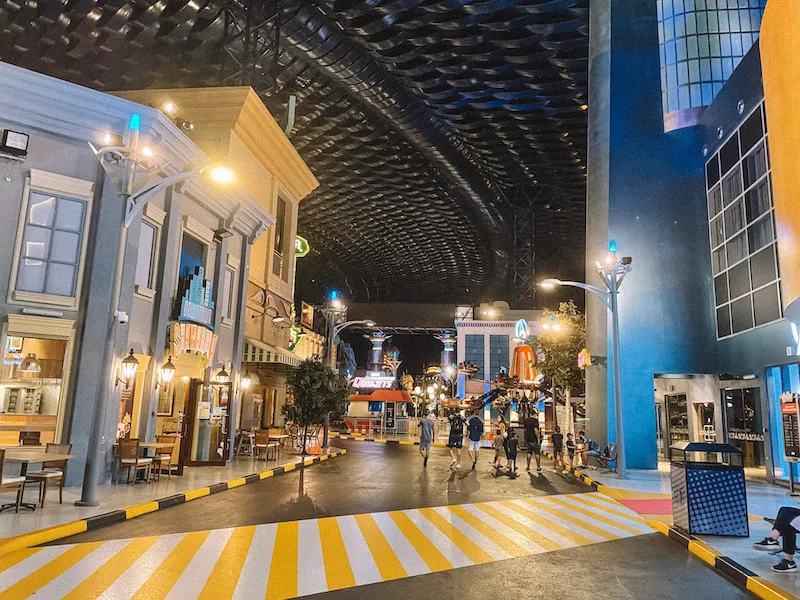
x,y
295,335
746,436
521,331
584,359
197,302
307,315
374,382
193,339
791,425
301,246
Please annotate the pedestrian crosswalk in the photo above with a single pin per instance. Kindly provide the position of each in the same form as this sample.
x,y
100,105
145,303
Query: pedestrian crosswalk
x,y
298,558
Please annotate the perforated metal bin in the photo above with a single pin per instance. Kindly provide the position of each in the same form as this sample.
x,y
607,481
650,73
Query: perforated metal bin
x,y
708,489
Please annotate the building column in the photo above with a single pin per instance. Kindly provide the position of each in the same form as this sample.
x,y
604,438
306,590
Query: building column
x,y
376,352
449,351
646,191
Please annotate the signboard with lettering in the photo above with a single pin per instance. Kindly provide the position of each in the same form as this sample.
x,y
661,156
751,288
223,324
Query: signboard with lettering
x,y
584,359
193,339
390,415
196,294
307,315
375,382
791,425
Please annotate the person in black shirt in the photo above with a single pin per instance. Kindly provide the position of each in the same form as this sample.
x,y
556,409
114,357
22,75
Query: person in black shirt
x,y
456,439
558,448
511,451
475,428
533,441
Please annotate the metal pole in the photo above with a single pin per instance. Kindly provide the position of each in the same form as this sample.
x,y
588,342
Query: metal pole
x,y
95,448
613,289
330,362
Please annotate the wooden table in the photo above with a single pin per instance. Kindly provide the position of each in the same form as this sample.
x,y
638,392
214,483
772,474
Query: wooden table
x,y
25,457
279,437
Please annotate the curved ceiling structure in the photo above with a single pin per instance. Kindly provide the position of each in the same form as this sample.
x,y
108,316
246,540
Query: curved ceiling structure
x,y
420,118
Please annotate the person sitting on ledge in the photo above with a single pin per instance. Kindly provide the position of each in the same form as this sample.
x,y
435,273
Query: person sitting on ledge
x,y
786,525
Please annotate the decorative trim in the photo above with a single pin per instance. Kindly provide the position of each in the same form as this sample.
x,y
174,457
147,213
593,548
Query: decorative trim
x,y
226,321
233,262
50,299
50,534
197,229
154,213
46,326
144,293
61,184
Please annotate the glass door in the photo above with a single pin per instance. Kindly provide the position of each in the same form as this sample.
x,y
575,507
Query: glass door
x,y
206,431
677,418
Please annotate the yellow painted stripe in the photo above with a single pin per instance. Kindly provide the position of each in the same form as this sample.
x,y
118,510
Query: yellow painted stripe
x,y
289,467
385,558
34,538
41,577
338,572
424,547
474,552
606,507
97,583
308,461
573,536
498,538
140,509
283,571
703,551
768,590
406,443
169,571
595,516
198,493
236,482
9,560
324,457
529,533
575,521
225,575
265,474
659,526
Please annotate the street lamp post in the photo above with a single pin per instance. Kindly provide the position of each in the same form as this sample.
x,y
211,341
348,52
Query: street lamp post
x,y
334,311
613,271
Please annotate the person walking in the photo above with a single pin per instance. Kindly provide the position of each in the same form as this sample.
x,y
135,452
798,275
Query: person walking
x,y
533,440
456,439
511,452
475,429
499,449
427,434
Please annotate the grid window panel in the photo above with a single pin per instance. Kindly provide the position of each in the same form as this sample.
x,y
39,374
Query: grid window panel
x,y
473,352
744,261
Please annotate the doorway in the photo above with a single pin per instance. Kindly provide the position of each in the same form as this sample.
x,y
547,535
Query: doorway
x,y
677,418
206,431
744,426
706,431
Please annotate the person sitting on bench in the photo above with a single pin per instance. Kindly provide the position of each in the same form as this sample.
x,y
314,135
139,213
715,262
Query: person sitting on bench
x,y
786,525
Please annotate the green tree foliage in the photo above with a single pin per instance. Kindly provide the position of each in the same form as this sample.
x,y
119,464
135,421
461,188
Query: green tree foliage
x,y
560,345
315,391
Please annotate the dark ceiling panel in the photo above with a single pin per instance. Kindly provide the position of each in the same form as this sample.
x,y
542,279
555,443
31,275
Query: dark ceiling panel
x,y
418,117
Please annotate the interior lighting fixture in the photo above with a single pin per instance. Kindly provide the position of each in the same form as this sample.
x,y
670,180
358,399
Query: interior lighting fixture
x,y
169,107
245,381
222,377
147,152
128,368
30,364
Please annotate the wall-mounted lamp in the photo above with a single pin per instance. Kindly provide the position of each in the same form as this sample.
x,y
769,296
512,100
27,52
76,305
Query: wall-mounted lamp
x,y
167,373
245,381
222,377
128,369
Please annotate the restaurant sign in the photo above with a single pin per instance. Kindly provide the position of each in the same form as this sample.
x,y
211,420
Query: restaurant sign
x,y
375,382
190,338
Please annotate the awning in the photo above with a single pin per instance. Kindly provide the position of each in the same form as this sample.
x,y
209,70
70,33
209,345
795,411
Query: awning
x,y
262,353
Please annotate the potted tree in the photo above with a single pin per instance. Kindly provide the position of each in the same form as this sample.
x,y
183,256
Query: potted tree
x,y
315,390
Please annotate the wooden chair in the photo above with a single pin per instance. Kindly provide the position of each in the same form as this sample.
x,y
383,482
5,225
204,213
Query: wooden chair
x,y
128,458
30,438
164,455
9,483
263,445
53,472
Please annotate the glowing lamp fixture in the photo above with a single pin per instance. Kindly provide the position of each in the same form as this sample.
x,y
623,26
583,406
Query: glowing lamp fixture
x,y
246,380
441,396
221,174
612,246
369,323
167,372
278,319
549,284
223,377
417,390
135,122
169,107
128,368
30,364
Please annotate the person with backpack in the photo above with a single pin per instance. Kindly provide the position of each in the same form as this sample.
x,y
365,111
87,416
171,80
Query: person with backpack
x,y
475,429
456,439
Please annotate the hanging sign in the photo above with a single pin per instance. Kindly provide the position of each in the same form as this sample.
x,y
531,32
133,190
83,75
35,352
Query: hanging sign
x,y
521,331
584,359
301,246
190,338
375,382
196,295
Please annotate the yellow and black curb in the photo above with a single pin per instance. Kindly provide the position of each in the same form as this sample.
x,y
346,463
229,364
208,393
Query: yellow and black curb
x,y
360,438
705,552
58,532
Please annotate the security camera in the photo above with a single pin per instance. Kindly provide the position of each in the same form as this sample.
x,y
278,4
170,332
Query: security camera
x,y
626,260
121,317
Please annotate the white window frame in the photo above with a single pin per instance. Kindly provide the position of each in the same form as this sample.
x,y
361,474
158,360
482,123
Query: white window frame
x,y
67,187
154,217
232,264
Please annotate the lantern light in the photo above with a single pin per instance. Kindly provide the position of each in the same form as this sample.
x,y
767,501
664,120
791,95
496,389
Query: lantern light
x,y
128,367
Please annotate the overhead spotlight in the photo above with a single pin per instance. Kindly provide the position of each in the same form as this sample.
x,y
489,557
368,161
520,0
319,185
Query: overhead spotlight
x,y
169,107
184,124
147,152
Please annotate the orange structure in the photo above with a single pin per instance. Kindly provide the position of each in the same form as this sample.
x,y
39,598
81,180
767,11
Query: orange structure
x,y
523,364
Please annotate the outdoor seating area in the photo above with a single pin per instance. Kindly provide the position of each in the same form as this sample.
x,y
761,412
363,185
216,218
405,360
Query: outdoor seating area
x,y
53,459
266,443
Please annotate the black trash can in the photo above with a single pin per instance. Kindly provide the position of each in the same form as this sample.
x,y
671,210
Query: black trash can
x,y
708,495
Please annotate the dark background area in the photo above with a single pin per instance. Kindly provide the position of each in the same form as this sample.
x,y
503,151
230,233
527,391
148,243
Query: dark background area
x,y
415,351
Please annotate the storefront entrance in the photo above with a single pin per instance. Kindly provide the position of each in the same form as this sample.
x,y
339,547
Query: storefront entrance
x,y
744,426
206,427
677,419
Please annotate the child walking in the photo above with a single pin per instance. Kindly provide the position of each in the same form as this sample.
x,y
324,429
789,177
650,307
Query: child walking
x,y
511,450
570,451
499,449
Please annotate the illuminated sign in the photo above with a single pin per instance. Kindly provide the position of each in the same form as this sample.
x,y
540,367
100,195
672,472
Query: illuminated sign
x,y
307,315
196,295
301,247
379,382
521,330
584,359
295,335
189,338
